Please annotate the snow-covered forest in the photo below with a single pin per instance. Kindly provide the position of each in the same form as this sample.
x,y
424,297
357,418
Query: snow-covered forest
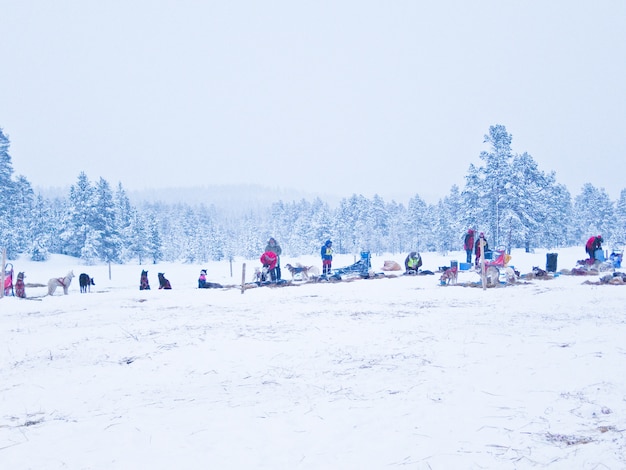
x,y
508,197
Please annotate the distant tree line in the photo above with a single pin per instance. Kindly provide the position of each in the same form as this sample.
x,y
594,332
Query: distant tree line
x,y
507,197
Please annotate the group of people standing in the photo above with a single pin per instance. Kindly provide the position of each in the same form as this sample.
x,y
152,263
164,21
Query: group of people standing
x,y
472,244
270,259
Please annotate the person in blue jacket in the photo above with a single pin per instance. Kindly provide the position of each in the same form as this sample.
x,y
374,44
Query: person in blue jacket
x,y
327,257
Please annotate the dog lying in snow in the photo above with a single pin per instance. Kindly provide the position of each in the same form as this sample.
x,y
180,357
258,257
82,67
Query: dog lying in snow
x,y
305,272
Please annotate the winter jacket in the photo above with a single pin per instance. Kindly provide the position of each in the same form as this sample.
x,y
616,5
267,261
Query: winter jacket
x,y
593,244
269,259
327,251
468,243
413,261
273,246
477,247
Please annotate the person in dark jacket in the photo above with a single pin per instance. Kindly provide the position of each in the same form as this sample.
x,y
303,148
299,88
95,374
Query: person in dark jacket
x,y
477,247
327,257
593,244
468,244
274,247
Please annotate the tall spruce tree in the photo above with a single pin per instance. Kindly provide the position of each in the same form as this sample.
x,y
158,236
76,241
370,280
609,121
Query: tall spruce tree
x,y
594,213
104,224
78,220
8,238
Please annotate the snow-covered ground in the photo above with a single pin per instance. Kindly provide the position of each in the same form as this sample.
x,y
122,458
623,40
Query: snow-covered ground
x,y
377,373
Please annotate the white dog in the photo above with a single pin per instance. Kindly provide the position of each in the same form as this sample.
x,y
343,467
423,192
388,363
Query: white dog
x,y
60,281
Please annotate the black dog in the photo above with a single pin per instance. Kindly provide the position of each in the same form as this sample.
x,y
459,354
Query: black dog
x,y
164,283
85,283
143,281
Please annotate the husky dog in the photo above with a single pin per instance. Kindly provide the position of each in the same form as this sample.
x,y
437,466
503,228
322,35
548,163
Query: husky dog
x,y
450,276
305,272
20,290
85,282
143,281
164,283
261,274
60,282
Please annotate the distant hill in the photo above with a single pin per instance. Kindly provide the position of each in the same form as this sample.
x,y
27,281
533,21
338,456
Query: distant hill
x,y
244,197
223,195
238,197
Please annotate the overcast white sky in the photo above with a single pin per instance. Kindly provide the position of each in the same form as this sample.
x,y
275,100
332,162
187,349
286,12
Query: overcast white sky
x,y
335,97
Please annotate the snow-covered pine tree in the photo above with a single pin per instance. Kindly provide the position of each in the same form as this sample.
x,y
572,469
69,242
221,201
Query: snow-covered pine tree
x,y
22,207
316,227
8,238
593,213
456,224
124,213
153,244
40,228
79,218
107,240
137,238
494,188
396,219
620,221
417,228
556,227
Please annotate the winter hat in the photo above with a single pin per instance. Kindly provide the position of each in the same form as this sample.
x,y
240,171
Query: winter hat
x,y
328,243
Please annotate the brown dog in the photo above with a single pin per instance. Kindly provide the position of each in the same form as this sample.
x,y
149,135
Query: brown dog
x,y
450,276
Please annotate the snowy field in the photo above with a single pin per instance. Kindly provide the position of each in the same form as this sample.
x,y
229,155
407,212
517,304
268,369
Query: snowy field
x,y
397,372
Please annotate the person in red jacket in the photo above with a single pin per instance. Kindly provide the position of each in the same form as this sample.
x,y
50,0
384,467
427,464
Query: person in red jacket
x,y
269,260
593,244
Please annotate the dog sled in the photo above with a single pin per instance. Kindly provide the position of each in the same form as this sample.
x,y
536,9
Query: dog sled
x,y
361,268
8,280
493,266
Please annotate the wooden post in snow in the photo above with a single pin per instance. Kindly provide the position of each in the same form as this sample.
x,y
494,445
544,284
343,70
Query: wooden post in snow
x,y
483,276
243,278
